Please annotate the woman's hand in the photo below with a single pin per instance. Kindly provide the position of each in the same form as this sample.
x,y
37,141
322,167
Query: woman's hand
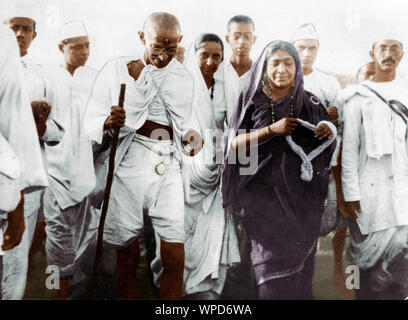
x,y
323,132
283,126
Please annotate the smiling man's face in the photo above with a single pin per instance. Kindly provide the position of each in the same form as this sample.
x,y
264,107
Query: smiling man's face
x,y
161,45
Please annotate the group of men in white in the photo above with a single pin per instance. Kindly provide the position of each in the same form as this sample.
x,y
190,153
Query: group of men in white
x,y
55,160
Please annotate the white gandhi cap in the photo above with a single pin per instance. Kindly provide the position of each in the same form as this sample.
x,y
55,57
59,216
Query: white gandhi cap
x,y
305,31
388,31
25,9
72,29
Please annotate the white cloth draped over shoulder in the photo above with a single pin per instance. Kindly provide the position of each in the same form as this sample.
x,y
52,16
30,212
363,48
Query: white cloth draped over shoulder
x,y
211,244
144,98
375,157
16,119
159,95
70,163
10,172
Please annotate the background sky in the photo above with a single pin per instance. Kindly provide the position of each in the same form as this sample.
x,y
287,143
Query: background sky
x,y
346,28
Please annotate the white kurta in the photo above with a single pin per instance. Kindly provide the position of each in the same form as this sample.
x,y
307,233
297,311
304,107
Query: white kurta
x,y
327,88
233,85
323,86
374,158
70,163
39,89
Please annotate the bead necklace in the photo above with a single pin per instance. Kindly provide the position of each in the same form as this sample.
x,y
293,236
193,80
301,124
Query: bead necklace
x,y
212,90
268,87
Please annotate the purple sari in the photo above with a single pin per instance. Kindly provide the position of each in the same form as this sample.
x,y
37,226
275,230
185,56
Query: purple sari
x,y
280,212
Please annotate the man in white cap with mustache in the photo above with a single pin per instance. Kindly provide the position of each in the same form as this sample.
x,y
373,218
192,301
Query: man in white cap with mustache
x,y
375,175
70,164
50,132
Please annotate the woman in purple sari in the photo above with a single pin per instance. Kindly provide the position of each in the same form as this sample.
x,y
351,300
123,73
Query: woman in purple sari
x,y
281,200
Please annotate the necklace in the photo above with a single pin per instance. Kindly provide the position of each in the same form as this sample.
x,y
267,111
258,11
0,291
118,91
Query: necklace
x,y
268,87
212,90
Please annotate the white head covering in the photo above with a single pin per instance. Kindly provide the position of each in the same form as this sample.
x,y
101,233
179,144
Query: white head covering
x,y
388,31
26,9
305,31
72,29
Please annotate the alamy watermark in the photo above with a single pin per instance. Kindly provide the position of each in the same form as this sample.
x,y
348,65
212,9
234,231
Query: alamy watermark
x,y
53,280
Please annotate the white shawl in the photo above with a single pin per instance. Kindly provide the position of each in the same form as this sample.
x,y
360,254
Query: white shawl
x,y
16,119
211,245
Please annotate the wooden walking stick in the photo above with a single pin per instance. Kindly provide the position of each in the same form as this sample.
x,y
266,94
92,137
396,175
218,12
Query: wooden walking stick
x,y
105,205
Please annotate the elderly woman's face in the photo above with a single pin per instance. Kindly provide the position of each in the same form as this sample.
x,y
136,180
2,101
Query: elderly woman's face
x,y
281,70
209,58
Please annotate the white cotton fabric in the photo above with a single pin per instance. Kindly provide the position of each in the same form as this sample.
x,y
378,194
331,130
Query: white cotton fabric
x,y
10,172
72,29
384,244
233,85
39,88
70,163
327,88
15,261
144,98
305,31
26,9
323,86
137,186
16,119
161,95
211,243
374,158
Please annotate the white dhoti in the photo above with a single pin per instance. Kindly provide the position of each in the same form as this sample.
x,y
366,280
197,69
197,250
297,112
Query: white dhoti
x,y
15,261
62,224
138,186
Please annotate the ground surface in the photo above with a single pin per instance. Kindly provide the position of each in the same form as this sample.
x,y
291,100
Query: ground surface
x,y
322,282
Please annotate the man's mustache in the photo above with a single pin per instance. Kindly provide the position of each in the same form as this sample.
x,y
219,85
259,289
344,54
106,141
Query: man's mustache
x,y
388,60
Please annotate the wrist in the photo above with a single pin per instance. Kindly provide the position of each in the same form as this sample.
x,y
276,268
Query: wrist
x,y
270,130
106,124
